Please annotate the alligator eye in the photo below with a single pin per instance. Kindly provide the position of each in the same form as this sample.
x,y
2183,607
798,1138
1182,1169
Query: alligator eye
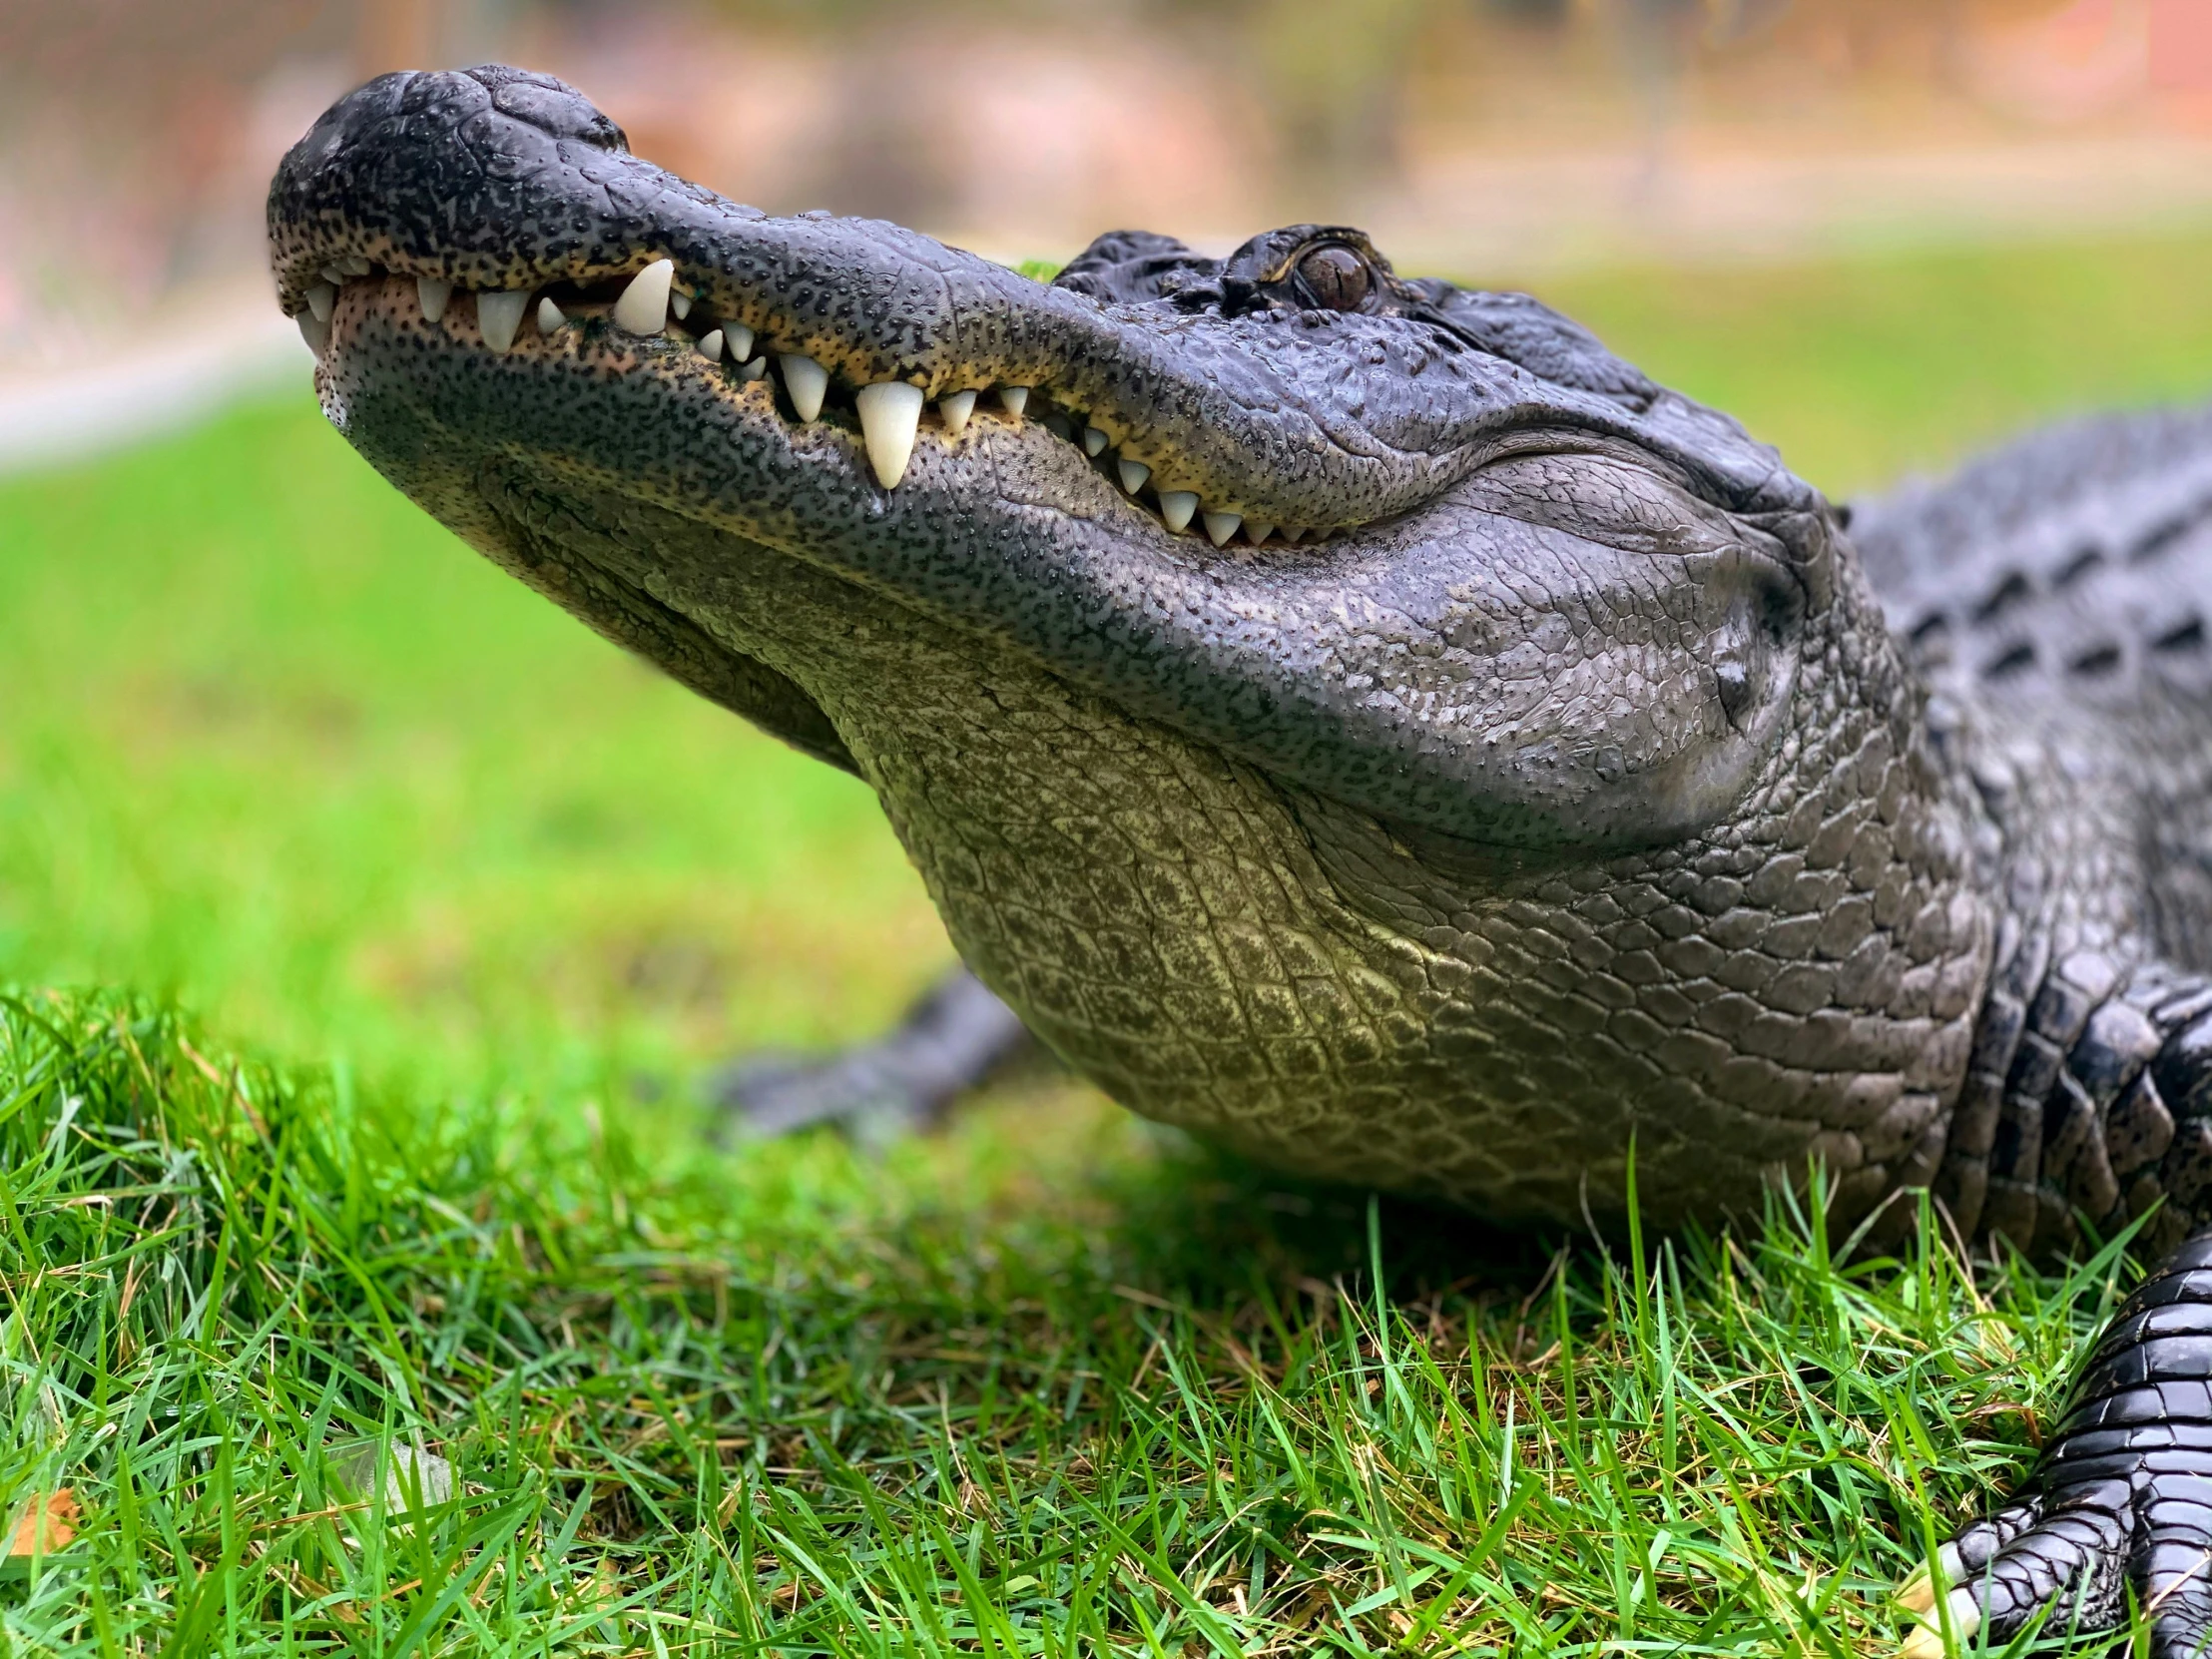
x,y
1335,276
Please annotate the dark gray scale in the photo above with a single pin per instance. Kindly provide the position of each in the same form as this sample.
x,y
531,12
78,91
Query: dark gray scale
x,y
2078,558
2057,598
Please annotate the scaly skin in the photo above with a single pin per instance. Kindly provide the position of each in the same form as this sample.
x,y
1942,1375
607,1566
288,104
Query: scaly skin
x,y
1564,790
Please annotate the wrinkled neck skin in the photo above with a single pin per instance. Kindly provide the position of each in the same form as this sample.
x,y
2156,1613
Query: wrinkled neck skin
x,y
1562,793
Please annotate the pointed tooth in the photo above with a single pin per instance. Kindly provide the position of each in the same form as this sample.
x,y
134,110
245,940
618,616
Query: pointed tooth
x,y
890,412
550,316
955,410
1094,441
314,331
320,298
432,294
1176,506
710,345
643,308
1258,533
1221,526
498,315
753,369
333,275
1013,399
737,341
1291,533
806,380
354,264
680,302
1133,475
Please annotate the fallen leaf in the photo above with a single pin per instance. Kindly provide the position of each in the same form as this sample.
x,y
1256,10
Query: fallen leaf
x,y
47,1526
410,1475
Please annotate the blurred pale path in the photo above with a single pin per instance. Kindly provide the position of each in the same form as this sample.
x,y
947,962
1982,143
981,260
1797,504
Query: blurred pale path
x,y
206,357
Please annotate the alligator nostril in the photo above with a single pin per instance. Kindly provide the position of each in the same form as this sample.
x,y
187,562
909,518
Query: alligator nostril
x,y
552,107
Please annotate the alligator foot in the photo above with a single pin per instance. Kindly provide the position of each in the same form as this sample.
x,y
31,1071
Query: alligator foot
x,y
955,1037
2117,1513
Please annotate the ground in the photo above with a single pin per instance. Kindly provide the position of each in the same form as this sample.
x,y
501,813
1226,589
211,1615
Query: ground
x,y
369,923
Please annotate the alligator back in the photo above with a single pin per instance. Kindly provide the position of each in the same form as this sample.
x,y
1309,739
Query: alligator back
x,y
2056,596
2078,556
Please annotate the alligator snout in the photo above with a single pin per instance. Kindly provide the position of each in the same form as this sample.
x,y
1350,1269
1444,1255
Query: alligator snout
x,y
1245,406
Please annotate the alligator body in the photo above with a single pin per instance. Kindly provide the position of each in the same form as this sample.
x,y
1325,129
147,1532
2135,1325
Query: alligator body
x,y
1366,722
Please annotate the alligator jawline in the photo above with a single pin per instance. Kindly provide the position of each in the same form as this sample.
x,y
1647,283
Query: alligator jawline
x,y
756,374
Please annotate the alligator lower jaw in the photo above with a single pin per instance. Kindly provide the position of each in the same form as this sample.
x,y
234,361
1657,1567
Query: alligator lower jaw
x,y
659,321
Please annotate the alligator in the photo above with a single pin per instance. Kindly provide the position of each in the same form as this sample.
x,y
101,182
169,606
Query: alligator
x,y
1365,721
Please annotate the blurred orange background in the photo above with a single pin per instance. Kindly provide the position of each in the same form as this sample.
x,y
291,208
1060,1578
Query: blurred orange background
x,y
1491,139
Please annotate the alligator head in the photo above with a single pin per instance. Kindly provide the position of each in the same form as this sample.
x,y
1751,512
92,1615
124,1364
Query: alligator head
x,y
1357,718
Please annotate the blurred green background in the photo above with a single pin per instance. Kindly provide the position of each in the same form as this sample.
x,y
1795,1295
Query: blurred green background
x,y
273,741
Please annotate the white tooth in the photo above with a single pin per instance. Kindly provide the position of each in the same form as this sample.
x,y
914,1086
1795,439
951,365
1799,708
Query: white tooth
x,y
1094,441
1221,526
890,412
1133,475
1291,534
314,331
355,266
550,316
954,412
433,295
739,338
498,315
643,308
753,369
1176,506
680,302
334,275
1258,533
320,298
710,345
806,380
1014,398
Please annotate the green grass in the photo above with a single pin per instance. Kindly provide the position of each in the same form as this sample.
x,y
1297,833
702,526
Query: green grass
x,y
1032,1388
271,740
435,877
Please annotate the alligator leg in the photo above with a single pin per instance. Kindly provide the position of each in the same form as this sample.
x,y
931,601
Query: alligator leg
x,y
957,1035
2117,1516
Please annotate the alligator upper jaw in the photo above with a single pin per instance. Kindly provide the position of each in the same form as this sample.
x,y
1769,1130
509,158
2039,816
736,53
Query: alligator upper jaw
x,y
517,209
